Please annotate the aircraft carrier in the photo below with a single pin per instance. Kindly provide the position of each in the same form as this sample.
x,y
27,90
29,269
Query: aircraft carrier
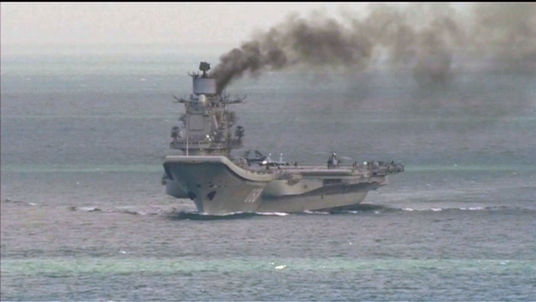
x,y
218,183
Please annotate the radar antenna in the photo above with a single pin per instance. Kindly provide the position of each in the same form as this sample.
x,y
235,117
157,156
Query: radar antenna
x,y
204,67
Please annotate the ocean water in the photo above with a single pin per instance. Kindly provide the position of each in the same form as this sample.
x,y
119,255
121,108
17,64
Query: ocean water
x,y
84,216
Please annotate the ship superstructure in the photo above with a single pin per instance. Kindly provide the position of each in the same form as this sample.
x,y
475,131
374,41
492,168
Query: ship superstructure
x,y
218,183
207,124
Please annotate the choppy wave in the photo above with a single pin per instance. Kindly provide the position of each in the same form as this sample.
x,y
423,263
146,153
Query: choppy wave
x,y
20,202
141,168
126,265
470,168
476,208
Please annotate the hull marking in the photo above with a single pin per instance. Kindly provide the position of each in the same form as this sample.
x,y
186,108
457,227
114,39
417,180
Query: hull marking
x,y
253,195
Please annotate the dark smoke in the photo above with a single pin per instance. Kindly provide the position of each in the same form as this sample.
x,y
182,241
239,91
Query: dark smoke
x,y
428,39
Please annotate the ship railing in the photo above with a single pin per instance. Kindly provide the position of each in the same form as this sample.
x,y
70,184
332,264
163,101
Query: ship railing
x,y
193,141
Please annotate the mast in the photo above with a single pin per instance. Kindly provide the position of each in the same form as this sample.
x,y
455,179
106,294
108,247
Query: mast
x,y
187,136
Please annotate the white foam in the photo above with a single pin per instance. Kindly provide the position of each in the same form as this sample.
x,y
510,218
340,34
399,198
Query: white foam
x,y
133,212
89,209
315,212
272,213
441,209
472,209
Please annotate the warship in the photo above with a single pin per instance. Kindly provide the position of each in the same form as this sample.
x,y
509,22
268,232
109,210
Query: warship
x,y
204,170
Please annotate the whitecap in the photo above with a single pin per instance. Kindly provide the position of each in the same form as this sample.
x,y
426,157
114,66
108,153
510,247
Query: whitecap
x,y
133,212
472,209
476,208
280,267
88,209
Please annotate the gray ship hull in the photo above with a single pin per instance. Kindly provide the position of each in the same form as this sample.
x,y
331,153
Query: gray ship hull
x,y
219,186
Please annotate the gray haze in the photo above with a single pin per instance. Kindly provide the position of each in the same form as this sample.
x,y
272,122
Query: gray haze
x,y
102,25
433,40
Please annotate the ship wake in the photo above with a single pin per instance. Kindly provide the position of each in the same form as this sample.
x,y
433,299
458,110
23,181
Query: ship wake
x,y
174,213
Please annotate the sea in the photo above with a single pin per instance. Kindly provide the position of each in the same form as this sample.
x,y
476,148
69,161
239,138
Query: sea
x,y
84,216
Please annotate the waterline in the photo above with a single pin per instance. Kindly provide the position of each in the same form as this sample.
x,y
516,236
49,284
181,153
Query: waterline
x,y
148,168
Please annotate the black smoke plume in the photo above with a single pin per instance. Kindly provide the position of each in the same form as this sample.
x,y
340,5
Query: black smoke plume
x,y
427,39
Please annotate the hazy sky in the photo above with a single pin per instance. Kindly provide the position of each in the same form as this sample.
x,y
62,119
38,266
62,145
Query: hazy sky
x,y
170,23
